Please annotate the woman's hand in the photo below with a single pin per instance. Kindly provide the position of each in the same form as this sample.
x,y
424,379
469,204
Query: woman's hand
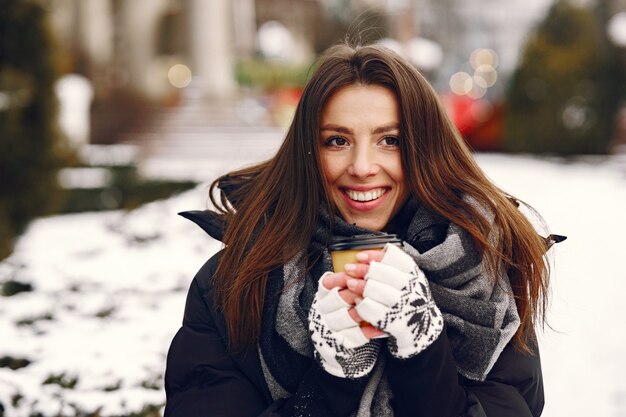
x,y
352,295
355,273
393,294
342,340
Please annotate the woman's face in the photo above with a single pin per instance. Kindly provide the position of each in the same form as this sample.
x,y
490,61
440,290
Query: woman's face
x,y
360,151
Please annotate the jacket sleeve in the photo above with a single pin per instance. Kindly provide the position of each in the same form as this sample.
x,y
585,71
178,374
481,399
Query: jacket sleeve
x,y
203,379
428,385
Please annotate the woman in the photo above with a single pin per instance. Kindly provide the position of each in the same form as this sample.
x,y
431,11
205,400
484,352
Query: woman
x,y
443,326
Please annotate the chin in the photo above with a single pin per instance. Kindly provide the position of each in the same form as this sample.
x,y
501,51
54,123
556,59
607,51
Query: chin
x,y
371,224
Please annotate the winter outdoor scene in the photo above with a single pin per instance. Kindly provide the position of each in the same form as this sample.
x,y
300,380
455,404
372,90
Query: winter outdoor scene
x,y
116,115
109,291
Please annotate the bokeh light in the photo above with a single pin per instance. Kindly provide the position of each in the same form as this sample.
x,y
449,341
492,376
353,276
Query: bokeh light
x,y
275,40
477,91
179,75
616,29
483,56
485,76
577,115
482,66
461,83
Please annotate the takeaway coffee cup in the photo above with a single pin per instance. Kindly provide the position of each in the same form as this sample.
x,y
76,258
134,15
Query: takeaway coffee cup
x,y
343,250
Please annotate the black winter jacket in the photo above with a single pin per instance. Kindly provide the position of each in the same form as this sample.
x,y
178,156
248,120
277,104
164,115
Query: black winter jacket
x,y
204,379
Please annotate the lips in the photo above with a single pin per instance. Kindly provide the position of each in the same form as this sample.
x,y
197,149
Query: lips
x,y
364,199
365,196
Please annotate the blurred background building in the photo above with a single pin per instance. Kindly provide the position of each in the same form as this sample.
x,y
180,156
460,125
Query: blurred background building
x,y
138,44
138,54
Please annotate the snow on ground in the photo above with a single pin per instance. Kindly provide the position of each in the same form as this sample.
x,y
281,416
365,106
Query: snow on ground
x,y
584,354
109,296
109,291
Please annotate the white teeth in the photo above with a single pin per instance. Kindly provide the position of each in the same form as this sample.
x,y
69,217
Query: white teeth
x,y
367,196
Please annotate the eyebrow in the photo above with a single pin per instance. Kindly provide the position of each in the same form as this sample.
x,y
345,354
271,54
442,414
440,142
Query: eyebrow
x,y
342,129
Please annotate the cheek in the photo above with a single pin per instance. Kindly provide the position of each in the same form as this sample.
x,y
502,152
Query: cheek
x,y
397,174
330,168
394,169
400,177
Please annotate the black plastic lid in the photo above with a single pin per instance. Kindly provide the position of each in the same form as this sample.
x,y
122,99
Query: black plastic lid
x,y
363,242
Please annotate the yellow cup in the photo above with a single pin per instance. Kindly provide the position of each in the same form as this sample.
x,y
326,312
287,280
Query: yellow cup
x,y
343,250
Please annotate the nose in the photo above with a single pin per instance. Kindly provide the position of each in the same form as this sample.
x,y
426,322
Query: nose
x,y
363,162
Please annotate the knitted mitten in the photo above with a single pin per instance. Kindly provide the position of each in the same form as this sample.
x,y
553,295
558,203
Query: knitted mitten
x,y
340,346
397,300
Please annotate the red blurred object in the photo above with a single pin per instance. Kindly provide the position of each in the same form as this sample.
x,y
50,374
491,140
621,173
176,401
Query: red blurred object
x,y
479,121
288,95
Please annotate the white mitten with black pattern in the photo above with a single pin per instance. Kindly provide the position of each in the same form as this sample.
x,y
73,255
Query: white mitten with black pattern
x,y
397,300
340,346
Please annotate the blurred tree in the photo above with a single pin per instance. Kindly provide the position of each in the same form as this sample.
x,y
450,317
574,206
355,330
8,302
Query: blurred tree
x,y
564,94
29,144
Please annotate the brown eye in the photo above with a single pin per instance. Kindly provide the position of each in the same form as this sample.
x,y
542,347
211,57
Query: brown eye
x,y
391,141
336,141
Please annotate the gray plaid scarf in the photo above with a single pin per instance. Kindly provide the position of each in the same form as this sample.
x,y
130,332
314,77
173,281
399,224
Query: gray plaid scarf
x,y
479,309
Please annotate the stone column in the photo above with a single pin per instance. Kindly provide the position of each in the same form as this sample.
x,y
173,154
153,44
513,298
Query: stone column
x,y
96,31
244,23
211,47
139,24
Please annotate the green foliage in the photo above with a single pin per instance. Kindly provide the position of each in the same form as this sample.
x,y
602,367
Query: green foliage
x,y
270,75
28,137
126,190
565,91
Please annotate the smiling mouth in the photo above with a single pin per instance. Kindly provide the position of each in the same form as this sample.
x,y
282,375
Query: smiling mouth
x,y
365,196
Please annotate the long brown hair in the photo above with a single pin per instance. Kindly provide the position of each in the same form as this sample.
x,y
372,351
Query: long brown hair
x,y
278,201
